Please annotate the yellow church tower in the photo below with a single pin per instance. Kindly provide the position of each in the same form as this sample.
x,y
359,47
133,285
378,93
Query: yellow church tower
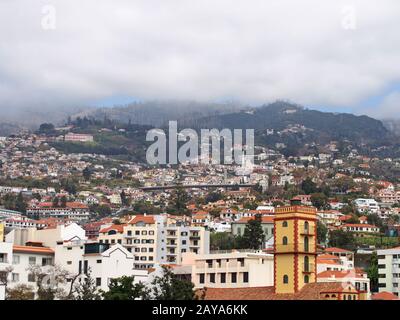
x,y
295,244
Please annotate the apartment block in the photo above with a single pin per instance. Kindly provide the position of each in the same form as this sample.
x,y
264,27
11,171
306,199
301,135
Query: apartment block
x,y
152,240
389,270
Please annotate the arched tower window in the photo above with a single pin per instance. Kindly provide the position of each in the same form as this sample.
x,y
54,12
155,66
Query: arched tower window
x,y
284,241
284,224
306,264
285,279
306,244
306,279
306,226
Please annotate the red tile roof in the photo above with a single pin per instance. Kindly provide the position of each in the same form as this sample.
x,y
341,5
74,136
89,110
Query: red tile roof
x,y
311,291
117,227
341,274
384,296
337,250
33,250
142,218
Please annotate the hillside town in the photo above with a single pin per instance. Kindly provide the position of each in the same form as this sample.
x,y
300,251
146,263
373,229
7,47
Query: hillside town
x,y
325,226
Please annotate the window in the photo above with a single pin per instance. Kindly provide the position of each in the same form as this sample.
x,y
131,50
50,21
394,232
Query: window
x,y
15,277
306,245
201,278
129,232
98,261
69,262
284,224
151,250
32,260
285,279
144,233
15,259
223,277
241,261
306,226
47,261
245,277
306,279
306,264
209,263
151,233
381,266
233,277
98,282
31,277
284,241
85,266
212,277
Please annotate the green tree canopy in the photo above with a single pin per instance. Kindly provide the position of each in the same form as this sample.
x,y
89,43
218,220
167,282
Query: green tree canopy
x,y
169,287
253,235
308,186
124,288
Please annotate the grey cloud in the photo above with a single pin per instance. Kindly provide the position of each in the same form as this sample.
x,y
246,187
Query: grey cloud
x,y
251,51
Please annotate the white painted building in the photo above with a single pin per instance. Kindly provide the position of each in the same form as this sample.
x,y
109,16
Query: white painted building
x,y
367,205
231,270
389,270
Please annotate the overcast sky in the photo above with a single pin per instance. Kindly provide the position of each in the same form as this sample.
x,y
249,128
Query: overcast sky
x,y
341,56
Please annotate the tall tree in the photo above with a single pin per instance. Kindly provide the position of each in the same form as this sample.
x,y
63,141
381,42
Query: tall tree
x,y
253,235
322,232
372,272
87,173
124,199
20,204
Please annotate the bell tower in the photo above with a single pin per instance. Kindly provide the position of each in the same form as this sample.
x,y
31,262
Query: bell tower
x,y
295,247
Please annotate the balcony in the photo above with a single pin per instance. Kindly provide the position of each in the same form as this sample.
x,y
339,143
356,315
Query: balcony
x,y
172,234
171,244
